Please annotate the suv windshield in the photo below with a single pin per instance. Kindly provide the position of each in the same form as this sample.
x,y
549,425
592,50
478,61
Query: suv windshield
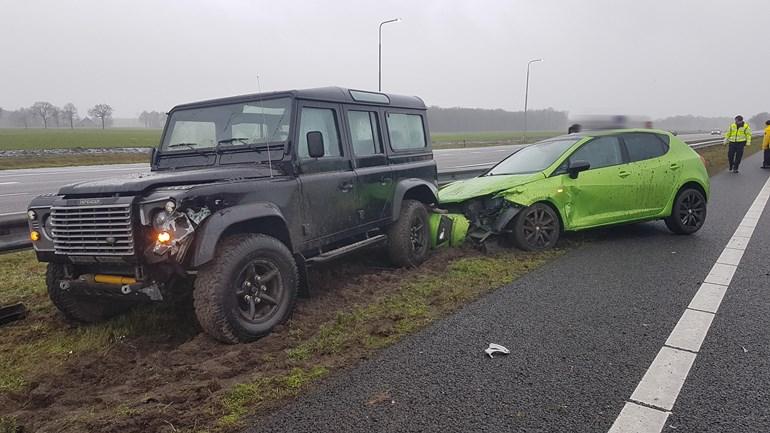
x,y
243,124
533,158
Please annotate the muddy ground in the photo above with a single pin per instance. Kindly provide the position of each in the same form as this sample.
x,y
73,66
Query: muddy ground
x,y
176,379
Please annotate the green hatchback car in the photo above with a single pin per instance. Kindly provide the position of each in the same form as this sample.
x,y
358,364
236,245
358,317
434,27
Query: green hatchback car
x,y
581,181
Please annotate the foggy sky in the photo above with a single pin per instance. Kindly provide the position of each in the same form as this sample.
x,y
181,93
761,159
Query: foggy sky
x,y
655,58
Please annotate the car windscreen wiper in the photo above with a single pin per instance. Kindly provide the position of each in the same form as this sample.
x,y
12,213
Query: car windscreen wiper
x,y
243,140
190,146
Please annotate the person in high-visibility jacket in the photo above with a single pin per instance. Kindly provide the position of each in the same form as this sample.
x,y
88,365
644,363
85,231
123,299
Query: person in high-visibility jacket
x,y
766,146
738,136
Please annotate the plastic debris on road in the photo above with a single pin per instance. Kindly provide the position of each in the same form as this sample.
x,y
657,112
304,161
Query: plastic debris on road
x,y
495,349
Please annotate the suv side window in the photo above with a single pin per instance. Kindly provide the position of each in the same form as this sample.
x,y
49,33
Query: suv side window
x,y
406,131
600,152
364,133
323,120
641,146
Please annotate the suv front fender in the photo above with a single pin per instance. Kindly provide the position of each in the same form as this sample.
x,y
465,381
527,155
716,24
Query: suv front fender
x,y
413,189
215,226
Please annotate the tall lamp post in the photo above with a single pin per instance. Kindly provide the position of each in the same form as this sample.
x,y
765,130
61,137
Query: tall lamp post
x,y
379,64
526,97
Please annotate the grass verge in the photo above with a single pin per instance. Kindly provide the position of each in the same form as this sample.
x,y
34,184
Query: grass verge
x,y
149,368
363,329
13,162
716,156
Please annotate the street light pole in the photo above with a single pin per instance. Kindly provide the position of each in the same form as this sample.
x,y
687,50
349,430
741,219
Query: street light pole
x,y
526,97
379,63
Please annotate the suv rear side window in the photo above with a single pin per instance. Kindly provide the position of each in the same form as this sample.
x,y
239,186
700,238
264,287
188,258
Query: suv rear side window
x,y
322,120
406,131
643,146
364,133
600,152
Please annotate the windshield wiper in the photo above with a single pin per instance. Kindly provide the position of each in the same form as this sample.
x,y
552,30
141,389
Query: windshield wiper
x,y
190,146
232,140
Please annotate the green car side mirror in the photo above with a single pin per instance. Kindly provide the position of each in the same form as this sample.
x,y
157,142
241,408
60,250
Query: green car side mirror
x,y
575,167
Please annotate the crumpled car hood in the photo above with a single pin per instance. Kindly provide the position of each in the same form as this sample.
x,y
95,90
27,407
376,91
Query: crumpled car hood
x,y
484,185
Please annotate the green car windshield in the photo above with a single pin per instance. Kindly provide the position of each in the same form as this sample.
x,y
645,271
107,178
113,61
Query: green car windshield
x,y
533,158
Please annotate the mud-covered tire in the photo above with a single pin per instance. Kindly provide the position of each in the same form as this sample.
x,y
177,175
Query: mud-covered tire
x,y
79,308
229,305
409,236
536,228
688,213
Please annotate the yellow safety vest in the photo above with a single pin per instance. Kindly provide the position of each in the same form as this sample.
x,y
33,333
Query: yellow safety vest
x,y
735,134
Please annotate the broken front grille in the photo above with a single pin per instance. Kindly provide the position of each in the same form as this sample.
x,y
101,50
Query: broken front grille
x,y
103,230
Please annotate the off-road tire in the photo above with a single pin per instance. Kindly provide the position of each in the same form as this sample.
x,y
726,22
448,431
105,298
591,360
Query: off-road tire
x,y
214,293
536,228
79,308
688,213
402,243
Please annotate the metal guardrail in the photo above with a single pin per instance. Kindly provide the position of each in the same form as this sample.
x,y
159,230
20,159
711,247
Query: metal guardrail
x,y
14,233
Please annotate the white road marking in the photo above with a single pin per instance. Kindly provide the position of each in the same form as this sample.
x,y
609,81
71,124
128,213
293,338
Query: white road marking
x,y
661,384
663,381
639,419
16,193
691,330
721,274
473,165
730,256
708,297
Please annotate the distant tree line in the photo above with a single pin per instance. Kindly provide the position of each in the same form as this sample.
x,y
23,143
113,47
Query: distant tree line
x,y
152,119
479,119
701,123
48,115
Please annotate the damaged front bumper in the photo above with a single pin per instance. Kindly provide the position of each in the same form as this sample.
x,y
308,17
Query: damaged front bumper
x,y
475,220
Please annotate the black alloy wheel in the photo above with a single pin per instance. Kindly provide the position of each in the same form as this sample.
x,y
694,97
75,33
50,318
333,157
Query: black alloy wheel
x,y
536,228
689,212
258,291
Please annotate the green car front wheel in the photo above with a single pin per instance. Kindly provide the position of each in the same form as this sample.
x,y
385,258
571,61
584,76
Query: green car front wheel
x,y
536,228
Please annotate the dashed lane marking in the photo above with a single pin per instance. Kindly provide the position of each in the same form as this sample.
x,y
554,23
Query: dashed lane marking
x,y
654,397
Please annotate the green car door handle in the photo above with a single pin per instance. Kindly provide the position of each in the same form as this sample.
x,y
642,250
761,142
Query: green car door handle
x,y
385,180
674,166
623,173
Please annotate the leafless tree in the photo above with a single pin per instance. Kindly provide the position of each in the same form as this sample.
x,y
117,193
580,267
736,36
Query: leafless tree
x,y
144,117
70,112
102,111
44,110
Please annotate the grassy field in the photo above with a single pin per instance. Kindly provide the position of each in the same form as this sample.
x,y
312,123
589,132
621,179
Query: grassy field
x,y
62,138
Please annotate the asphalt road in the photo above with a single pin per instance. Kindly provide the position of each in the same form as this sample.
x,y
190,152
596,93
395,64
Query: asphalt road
x,y
18,187
583,332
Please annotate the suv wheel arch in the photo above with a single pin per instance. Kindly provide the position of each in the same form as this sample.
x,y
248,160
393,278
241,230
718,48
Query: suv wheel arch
x,y
265,218
413,189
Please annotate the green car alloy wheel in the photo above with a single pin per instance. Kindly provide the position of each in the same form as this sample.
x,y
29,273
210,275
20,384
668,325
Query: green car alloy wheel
x,y
582,181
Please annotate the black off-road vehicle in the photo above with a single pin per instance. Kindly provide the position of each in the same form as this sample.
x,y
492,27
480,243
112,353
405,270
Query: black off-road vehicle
x,y
245,193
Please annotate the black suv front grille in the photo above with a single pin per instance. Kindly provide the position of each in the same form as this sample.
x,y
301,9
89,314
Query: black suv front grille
x,y
103,230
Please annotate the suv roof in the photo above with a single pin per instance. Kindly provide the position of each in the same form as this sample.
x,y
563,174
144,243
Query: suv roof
x,y
326,94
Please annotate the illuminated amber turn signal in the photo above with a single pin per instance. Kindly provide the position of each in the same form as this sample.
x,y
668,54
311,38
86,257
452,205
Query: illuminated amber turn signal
x,y
34,235
164,237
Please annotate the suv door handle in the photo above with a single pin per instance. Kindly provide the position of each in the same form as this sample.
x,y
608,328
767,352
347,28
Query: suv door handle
x,y
345,186
674,166
385,180
623,173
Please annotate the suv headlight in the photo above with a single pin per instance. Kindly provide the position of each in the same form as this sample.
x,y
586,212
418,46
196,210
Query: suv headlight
x,y
160,219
